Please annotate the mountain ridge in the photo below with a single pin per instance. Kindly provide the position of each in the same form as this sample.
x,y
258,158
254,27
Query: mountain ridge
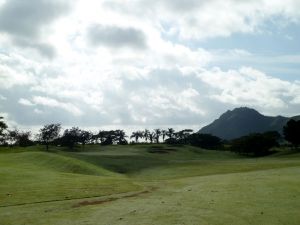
x,y
243,121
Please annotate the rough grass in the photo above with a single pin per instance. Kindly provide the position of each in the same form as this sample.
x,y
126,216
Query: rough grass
x,y
132,185
29,177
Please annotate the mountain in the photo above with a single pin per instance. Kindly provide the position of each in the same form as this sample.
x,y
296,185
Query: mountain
x,y
243,121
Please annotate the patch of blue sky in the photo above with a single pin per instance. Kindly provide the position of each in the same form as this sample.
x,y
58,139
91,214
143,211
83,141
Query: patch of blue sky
x,y
270,39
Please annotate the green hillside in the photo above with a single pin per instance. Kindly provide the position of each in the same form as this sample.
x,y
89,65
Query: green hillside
x,y
148,184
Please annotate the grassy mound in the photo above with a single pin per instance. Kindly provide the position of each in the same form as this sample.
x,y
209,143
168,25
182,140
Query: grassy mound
x,y
29,177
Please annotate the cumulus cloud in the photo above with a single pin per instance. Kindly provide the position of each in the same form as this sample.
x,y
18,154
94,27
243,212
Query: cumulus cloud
x,y
27,18
25,102
26,21
116,37
138,62
204,19
250,87
50,102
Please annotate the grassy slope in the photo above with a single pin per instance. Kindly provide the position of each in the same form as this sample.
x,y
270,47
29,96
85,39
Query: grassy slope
x,y
189,186
28,177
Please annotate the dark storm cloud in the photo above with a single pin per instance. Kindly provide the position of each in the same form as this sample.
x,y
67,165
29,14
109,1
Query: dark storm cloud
x,y
116,37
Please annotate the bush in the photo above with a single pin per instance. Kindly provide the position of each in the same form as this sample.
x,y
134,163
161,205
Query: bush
x,y
255,144
292,132
207,141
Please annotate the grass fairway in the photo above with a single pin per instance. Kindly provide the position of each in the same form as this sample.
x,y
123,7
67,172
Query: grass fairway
x,y
146,185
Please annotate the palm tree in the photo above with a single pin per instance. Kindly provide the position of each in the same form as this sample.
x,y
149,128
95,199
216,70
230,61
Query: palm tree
x,y
146,134
157,135
164,133
120,136
137,135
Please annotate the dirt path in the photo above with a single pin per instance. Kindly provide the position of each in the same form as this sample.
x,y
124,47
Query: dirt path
x,y
87,200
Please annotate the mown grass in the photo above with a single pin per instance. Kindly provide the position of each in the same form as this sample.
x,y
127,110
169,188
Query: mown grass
x,y
28,177
179,185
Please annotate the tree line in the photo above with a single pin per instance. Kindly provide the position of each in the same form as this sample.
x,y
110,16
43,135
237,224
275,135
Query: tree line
x,y
257,144
52,134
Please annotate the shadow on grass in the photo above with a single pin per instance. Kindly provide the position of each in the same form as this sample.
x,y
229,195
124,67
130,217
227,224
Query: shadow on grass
x,y
123,164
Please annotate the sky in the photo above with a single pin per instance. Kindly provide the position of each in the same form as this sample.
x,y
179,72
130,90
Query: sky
x,y
146,64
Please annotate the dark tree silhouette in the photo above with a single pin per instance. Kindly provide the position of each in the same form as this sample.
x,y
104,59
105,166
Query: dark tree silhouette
x,y
254,144
108,137
23,139
71,137
170,133
157,135
85,137
136,135
12,137
151,137
49,133
164,134
182,136
146,135
120,137
207,141
102,136
3,127
291,132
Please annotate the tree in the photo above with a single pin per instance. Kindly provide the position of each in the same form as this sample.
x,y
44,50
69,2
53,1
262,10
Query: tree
x,y
206,141
49,133
108,137
146,135
3,127
23,139
120,137
183,135
12,137
254,144
85,137
170,133
164,134
136,135
102,136
71,137
157,135
291,132
151,137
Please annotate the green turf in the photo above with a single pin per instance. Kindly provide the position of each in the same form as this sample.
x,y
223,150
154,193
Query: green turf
x,y
143,184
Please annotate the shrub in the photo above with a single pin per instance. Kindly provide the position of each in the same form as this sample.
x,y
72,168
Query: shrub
x,y
207,141
255,144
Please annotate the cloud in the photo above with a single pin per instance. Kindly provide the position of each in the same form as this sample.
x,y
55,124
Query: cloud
x,y
2,98
116,37
206,19
25,102
10,77
26,21
39,100
27,18
43,48
16,70
52,103
250,87
141,62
